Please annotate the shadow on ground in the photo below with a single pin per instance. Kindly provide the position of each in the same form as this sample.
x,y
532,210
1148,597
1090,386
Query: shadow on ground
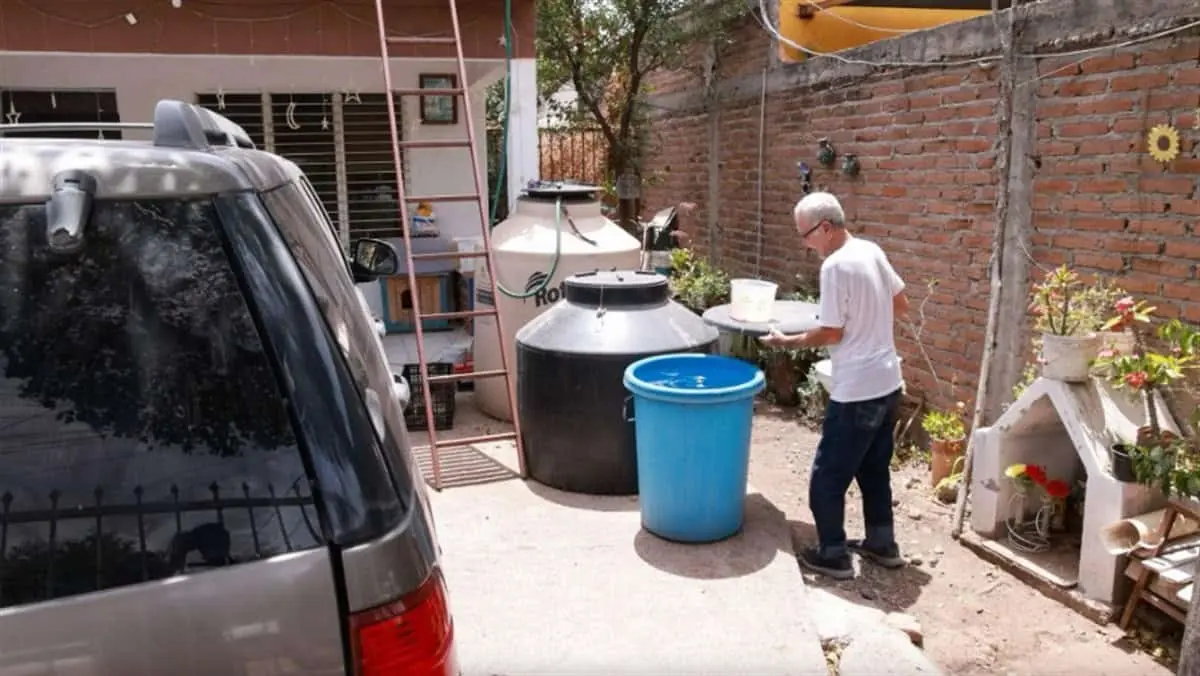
x,y
873,586
595,503
762,539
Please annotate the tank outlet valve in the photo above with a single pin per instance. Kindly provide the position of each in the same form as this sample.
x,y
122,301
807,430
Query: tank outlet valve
x,y
68,211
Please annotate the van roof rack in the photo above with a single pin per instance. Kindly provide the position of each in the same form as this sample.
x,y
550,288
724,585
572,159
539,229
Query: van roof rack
x,y
176,125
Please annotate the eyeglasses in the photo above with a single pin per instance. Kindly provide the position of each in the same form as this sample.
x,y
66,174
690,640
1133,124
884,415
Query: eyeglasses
x,y
813,229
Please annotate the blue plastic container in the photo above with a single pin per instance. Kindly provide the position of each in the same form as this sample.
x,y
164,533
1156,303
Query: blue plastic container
x,y
692,415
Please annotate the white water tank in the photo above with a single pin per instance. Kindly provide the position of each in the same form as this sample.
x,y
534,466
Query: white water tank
x,y
524,247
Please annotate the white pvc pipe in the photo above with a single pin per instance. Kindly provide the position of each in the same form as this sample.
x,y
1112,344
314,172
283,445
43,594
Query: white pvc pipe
x,y
1138,532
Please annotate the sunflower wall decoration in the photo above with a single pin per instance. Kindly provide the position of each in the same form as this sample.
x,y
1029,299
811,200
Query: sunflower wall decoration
x,y
1163,143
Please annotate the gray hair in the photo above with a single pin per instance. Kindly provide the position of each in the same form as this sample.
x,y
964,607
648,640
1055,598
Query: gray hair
x,y
820,206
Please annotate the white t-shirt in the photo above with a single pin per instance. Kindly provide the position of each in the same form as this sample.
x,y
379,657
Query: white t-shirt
x,y
857,287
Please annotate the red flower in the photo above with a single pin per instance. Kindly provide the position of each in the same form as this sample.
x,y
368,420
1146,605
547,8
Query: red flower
x,y
1124,306
1036,474
1057,489
1136,379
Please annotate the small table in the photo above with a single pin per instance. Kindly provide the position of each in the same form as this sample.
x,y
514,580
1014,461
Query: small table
x,y
789,316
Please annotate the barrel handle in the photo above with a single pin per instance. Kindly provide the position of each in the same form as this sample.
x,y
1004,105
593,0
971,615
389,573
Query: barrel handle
x,y
625,409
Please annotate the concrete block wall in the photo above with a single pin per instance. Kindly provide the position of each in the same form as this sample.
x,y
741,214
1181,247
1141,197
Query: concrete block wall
x,y
928,140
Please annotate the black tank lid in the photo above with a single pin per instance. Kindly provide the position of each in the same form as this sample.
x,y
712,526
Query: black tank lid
x,y
569,191
617,288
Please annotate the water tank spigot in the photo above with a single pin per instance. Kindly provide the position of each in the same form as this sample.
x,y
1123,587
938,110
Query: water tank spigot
x,y
826,154
68,211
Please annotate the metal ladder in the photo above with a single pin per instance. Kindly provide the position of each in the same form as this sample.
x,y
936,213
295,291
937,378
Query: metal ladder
x,y
479,197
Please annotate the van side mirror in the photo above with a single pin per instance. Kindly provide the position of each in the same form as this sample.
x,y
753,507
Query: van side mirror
x,y
372,258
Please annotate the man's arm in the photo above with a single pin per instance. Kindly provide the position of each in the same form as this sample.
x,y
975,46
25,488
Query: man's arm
x,y
899,300
820,337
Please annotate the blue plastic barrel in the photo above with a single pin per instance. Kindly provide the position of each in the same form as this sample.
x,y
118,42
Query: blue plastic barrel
x,y
692,416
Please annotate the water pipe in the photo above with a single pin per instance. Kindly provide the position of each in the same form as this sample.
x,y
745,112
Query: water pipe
x,y
503,170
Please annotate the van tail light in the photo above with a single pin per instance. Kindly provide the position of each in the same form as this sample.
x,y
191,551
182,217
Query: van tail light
x,y
413,636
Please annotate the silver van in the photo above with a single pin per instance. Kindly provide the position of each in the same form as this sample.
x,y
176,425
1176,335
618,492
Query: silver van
x,y
203,467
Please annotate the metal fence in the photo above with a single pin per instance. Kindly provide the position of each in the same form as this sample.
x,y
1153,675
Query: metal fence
x,y
576,154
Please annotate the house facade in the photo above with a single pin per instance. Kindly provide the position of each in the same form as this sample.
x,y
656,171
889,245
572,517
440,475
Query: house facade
x,y
304,78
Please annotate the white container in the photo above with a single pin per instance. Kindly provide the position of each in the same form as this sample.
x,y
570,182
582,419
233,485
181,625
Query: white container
x,y
467,264
824,372
1068,358
1120,342
752,300
523,248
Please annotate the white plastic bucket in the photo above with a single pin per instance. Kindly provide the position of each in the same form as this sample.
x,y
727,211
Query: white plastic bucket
x,y
752,300
1068,358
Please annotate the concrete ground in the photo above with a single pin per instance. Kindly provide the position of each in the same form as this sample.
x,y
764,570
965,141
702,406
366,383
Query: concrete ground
x,y
545,582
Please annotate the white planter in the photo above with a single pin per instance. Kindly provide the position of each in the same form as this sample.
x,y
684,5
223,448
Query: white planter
x,y
1068,358
1119,341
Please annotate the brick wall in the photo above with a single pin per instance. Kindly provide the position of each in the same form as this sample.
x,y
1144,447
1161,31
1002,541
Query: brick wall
x,y
927,142
1102,203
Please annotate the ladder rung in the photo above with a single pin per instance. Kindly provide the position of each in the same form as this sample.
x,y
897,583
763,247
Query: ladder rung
x,y
420,40
453,91
448,143
443,255
465,197
460,314
481,439
469,375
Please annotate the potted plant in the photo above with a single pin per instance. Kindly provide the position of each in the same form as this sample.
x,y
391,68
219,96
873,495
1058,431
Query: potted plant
x,y
1092,307
1068,329
947,432
697,283
787,367
1155,453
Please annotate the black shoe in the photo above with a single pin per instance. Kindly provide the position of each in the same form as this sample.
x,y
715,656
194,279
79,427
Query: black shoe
x,y
888,557
836,567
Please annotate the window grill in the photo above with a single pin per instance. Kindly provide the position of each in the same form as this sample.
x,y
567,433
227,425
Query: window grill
x,y
342,143
210,539
46,106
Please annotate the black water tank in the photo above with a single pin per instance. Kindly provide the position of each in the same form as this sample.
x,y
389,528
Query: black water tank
x,y
570,362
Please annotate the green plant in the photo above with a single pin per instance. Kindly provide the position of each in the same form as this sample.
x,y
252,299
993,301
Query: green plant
x,y
946,490
1091,305
1063,305
946,425
1160,459
1147,370
1172,466
696,282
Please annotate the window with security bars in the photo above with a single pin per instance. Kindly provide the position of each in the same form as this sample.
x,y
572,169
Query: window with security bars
x,y
342,144
46,106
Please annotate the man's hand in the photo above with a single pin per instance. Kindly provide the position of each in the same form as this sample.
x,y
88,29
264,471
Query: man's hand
x,y
774,338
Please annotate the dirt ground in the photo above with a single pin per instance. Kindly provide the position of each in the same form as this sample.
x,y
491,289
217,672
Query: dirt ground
x,y
976,618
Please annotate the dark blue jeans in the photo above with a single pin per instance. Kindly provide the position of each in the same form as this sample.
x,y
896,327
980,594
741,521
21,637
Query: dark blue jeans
x,y
856,445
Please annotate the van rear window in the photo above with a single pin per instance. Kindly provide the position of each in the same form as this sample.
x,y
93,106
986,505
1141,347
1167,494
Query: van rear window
x,y
142,433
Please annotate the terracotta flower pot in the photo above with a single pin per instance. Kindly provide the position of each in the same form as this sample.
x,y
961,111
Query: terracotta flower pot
x,y
943,454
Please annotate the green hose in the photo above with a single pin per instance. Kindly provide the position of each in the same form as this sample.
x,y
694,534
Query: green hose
x,y
541,286
503,170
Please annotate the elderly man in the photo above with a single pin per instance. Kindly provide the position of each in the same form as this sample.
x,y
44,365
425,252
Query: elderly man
x,y
860,296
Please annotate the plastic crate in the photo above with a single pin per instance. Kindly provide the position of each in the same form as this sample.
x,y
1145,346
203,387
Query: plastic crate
x,y
442,393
